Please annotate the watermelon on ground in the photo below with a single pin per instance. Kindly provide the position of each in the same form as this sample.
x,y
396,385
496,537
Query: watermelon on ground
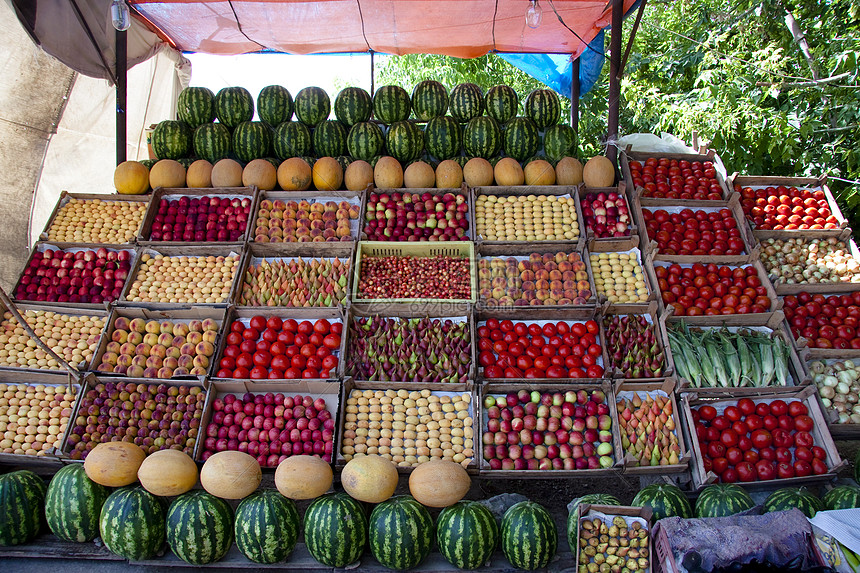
x,y
275,105
199,527
466,102
267,526
443,137
233,106
365,140
391,104
171,139
335,529
502,103
722,500
196,106
482,137
529,536
520,138
573,513
665,500
252,140
400,532
353,105
73,504
312,106
543,107
22,501
405,141
467,534
132,523
212,142
842,497
429,100
793,497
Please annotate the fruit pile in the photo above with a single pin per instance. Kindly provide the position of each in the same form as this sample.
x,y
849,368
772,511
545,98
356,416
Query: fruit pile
x,y
73,338
278,349
142,348
181,279
270,427
409,350
701,289
409,427
201,219
757,441
526,218
633,346
548,431
97,221
435,277
540,349
674,179
559,279
412,217
825,321
303,221
606,214
83,276
33,417
839,388
295,283
625,548
809,261
153,416
787,208
688,232
648,428
619,277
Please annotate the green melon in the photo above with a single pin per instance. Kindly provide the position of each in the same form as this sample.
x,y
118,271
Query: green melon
x,y
520,138
365,140
467,534
132,524
793,497
842,497
405,141
196,106
352,106
312,106
73,504
335,529
482,137
573,513
543,107
233,106
275,105
443,137
391,104
466,102
252,140
329,139
171,140
212,142
501,103
529,536
559,141
429,100
22,502
344,161
199,527
665,500
722,500
292,139
400,532
267,526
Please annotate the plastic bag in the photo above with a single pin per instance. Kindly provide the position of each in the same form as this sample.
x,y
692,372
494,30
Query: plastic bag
x,y
665,143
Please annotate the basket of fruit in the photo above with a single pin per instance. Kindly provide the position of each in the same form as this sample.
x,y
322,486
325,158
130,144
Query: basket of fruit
x,y
95,219
609,218
673,177
813,265
329,217
193,216
821,324
418,215
627,531
636,346
621,280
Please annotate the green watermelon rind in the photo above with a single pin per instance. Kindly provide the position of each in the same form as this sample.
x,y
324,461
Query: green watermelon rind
x,y
787,498
467,534
559,141
465,102
501,103
722,500
132,524
335,529
233,105
353,105
391,104
573,514
312,106
400,533
520,138
405,141
482,137
267,526
292,139
252,140
365,140
529,536
842,497
329,139
73,504
196,106
199,527
212,142
665,500
22,498
275,105
443,138
543,107
171,139
429,100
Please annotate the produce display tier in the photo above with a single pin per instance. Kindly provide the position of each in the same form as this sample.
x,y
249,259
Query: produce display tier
x,y
824,339
629,515
65,227
607,239
847,247
619,350
615,305
628,155
453,200
355,205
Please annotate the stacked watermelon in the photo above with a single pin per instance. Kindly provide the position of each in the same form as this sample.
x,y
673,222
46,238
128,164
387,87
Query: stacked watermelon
x,y
22,498
665,500
723,500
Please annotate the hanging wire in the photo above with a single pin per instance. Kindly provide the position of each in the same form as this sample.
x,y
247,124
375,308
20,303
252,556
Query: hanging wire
x,y
563,23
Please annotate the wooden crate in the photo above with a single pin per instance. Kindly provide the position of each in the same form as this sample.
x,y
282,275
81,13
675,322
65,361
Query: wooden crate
x,y
665,389
436,389
463,191
652,317
846,431
171,194
720,401
606,244
515,386
65,197
783,289
629,155
629,513
41,247
807,353
625,307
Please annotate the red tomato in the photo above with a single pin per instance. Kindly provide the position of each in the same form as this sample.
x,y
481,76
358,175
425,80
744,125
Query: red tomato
x,y
270,335
802,453
716,450
224,373
720,423
713,434
306,328
819,467
761,439
534,329
506,326
707,413
228,363
259,373
786,422
329,362
740,428
746,472
237,326
783,455
332,341
765,470
592,327
733,413
280,362
819,453
803,439
729,438
767,454
753,422
746,406
251,334
745,443
729,476
549,330
245,360
719,465
493,372
235,338
298,361
782,439
594,371
258,322
556,372
232,351
262,359
286,337
337,328
524,362
316,339
314,362
770,422
778,408
802,468
248,346
803,423
310,373
762,409
241,373
734,455
785,470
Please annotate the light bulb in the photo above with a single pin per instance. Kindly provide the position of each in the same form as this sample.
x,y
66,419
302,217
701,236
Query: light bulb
x,y
119,15
534,13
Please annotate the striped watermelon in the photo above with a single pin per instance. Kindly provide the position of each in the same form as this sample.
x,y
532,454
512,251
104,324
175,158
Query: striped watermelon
x,y
148,163
309,160
842,497
442,137
543,107
196,106
22,500
344,161
482,137
405,141
132,523
329,139
335,529
171,139
429,100
233,106
252,140
275,105
722,500
665,500
292,139
521,138
466,102
353,105
461,160
391,104
73,504
559,141
274,161
467,534
312,106
365,140
186,161
573,513
212,142
267,526
502,103
400,532
529,536
793,497
199,527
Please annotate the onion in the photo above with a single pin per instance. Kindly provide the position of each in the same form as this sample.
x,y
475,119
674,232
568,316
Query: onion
x,y
843,388
827,393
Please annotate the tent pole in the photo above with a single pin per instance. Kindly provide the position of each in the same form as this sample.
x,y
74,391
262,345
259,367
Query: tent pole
x,y
372,69
574,98
121,95
615,75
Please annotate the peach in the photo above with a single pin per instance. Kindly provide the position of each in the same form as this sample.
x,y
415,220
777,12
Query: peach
x,y
201,361
210,336
568,276
583,285
113,347
524,266
178,341
209,324
329,234
123,360
143,349
261,239
542,274
165,339
535,258
486,293
578,266
581,275
164,373
330,206
528,286
121,323
188,349
353,211
527,275
134,371
550,266
555,275
127,349
565,266
560,256
110,358
205,348
119,336
547,257
542,294
173,352
139,360
194,337
170,362
558,285
265,204
569,293
150,338
498,292
158,350
180,329
574,257
542,284
198,371
154,362
185,361
585,293
137,325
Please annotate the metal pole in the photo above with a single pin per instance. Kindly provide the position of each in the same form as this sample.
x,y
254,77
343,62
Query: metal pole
x,y
574,98
372,91
121,96
615,75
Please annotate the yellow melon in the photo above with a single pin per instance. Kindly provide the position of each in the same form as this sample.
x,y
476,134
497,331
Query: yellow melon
x,y
260,173
439,483
199,174
303,477
598,172
114,464
227,173
388,173
419,174
327,174
231,475
359,174
478,172
369,478
539,172
167,173
131,178
167,472
295,174
568,171
449,175
508,172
